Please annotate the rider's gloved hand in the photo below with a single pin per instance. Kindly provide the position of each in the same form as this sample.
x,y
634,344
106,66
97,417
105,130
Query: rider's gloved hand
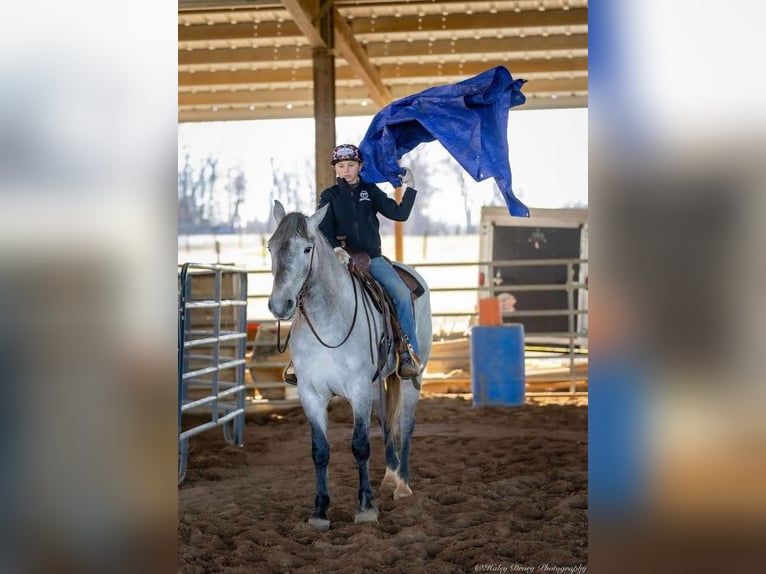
x,y
342,255
408,180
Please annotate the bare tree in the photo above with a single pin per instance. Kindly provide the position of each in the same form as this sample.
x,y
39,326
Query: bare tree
x,y
294,188
422,169
237,190
207,180
186,208
196,194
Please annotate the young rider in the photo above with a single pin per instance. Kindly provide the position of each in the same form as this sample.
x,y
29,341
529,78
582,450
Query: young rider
x,y
353,214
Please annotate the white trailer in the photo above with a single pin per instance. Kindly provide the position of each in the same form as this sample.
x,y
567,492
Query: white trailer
x,y
538,267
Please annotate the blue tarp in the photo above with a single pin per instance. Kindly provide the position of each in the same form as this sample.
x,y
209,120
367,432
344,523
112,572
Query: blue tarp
x,y
469,118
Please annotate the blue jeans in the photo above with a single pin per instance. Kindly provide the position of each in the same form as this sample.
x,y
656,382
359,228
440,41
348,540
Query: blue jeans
x,y
387,276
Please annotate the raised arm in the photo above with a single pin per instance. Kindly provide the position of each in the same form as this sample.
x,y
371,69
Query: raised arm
x,y
388,207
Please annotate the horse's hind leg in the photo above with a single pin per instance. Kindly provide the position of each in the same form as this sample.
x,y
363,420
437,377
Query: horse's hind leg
x,y
409,399
389,441
360,446
392,457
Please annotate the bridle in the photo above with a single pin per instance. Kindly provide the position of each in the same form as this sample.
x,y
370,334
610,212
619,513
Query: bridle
x,y
301,308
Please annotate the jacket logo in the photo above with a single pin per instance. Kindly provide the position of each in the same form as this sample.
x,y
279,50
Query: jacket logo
x,y
364,196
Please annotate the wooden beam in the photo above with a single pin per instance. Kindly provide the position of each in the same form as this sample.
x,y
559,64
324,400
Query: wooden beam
x,y
355,55
240,114
400,51
306,109
470,68
303,13
469,46
398,229
390,52
413,26
478,20
356,94
431,27
265,54
254,97
417,72
202,33
324,101
211,4
324,116
245,77
560,85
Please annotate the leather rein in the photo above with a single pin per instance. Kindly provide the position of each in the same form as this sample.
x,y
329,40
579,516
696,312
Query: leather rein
x,y
301,308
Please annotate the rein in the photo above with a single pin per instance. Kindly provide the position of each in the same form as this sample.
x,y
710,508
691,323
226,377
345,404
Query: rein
x,y
311,326
301,296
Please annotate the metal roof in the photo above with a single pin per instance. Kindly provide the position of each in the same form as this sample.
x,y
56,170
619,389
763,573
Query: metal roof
x,y
253,60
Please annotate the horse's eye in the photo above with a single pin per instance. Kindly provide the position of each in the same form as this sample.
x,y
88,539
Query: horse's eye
x,y
307,250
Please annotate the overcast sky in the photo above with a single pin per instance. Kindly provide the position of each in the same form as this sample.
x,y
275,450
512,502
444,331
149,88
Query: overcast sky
x,y
548,154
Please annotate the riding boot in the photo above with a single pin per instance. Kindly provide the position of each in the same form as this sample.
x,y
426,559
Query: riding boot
x,y
409,363
288,374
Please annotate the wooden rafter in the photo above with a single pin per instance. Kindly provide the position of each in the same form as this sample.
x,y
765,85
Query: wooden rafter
x,y
353,52
295,77
372,28
466,48
304,12
255,59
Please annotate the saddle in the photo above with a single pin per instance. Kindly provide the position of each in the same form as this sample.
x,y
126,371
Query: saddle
x,y
359,265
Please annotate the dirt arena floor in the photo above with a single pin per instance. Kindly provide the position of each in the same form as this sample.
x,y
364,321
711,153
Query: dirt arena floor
x,y
495,490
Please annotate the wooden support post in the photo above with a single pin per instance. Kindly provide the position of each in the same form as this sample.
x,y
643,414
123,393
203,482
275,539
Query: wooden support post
x,y
398,230
324,103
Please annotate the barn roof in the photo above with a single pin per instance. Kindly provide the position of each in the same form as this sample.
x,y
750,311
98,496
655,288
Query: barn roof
x,y
241,60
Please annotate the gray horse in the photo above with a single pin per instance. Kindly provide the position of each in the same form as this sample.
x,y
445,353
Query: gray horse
x,y
335,348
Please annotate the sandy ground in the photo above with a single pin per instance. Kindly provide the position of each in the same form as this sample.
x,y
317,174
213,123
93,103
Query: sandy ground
x,y
493,488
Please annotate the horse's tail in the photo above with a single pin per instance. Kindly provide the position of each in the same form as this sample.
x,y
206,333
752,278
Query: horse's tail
x,y
393,389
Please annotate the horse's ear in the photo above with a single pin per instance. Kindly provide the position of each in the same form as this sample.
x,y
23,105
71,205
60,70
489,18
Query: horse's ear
x,y
313,221
278,211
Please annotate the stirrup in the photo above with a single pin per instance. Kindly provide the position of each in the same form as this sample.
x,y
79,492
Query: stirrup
x,y
288,374
410,369
410,365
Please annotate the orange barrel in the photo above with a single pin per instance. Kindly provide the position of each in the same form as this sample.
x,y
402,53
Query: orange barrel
x,y
490,311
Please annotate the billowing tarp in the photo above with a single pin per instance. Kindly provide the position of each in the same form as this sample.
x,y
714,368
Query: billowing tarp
x,y
469,118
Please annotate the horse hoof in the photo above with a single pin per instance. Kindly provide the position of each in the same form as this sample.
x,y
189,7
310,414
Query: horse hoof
x,y
402,491
369,515
321,524
391,478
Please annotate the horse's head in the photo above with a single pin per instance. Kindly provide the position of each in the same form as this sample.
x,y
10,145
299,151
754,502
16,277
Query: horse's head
x,y
292,249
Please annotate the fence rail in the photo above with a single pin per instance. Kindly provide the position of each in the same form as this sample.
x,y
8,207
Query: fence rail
x,y
202,324
570,344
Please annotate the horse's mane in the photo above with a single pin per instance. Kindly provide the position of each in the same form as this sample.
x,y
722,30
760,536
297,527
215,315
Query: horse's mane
x,y
292,224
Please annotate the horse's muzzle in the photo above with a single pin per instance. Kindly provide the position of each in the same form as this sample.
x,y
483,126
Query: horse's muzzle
x,y
282,310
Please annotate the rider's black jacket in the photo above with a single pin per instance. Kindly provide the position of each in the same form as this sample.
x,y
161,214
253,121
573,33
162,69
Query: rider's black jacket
x,y
353,213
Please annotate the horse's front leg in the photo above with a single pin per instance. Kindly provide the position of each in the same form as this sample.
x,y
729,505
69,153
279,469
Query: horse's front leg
x,y
316,411
360,446
320,453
